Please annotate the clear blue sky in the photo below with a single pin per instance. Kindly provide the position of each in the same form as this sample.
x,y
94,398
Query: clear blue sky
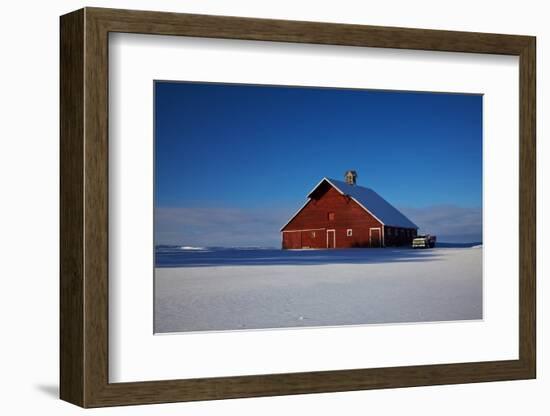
x,y
248,155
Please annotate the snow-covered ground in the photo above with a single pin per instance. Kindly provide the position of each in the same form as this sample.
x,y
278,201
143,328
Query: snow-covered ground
x,y
279,289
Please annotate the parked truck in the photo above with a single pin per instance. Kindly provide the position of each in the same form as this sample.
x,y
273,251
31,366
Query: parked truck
x,y
424,241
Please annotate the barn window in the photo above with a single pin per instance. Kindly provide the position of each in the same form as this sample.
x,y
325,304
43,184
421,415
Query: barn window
x,y
349,232
389,231
331,216
313,234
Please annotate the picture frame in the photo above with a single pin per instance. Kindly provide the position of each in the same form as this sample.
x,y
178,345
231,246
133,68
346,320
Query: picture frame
x,y
84,216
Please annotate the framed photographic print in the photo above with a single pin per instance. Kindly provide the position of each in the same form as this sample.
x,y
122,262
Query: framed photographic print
x,y
255,207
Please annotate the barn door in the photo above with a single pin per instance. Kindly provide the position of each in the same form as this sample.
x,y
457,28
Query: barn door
x,y
331,239
375,238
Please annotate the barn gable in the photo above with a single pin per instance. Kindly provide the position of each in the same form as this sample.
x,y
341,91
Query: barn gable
x,y
313,214
381,209
366,198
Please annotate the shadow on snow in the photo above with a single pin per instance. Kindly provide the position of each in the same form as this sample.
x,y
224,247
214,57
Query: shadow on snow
x,y
272,257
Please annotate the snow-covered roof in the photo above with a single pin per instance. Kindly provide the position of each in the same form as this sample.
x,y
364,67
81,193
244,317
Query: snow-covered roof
x,y
371,202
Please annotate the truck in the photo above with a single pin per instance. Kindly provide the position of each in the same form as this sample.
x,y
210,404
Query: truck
x,y
424,241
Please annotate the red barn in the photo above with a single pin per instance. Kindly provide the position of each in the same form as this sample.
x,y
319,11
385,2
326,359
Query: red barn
x,y
341,214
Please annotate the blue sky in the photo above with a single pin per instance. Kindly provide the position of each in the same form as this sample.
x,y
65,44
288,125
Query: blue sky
x,y
233,162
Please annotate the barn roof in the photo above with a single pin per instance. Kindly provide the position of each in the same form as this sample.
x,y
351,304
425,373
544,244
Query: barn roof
x,y
369,200
372,202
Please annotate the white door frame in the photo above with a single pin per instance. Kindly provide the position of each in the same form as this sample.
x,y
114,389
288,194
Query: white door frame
x,y
379,235
334,238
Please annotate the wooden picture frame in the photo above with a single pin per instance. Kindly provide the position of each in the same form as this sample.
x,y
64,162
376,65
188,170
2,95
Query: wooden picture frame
x,y
84,207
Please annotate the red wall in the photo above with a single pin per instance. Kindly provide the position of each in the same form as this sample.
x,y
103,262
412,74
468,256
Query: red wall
x,y
347,214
